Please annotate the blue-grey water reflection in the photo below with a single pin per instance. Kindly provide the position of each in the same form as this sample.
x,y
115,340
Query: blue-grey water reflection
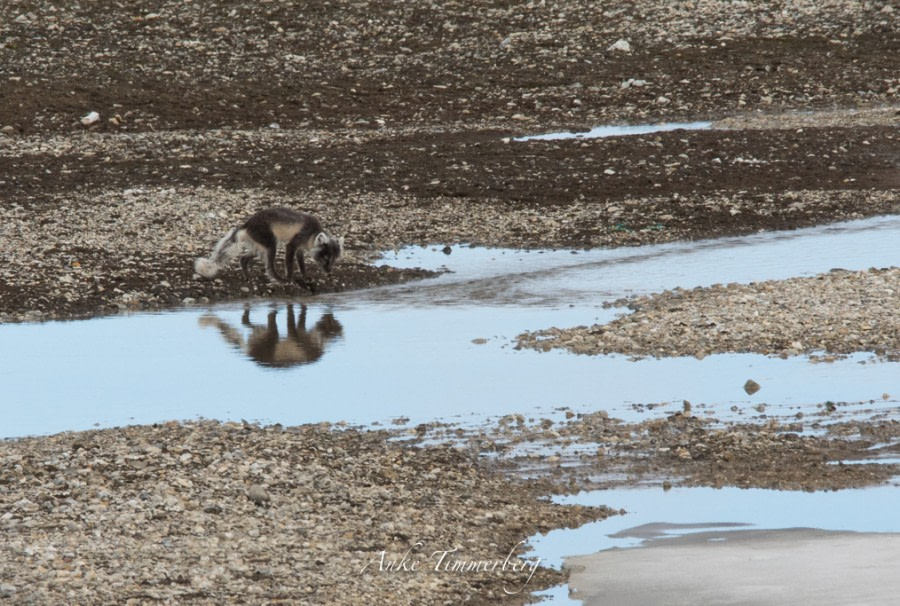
x,y
267,345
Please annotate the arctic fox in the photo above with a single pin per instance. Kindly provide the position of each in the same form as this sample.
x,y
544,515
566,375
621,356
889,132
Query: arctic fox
x,y
259,237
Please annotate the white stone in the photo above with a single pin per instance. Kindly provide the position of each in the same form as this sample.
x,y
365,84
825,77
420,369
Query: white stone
x,y
91,118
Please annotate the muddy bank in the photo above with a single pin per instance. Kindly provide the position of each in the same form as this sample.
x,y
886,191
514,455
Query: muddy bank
x,y
829,315
89,254
690,448
210,513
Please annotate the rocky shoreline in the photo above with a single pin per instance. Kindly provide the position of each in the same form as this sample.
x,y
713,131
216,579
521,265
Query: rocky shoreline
x,y
826,316
212,513
204,512
134,250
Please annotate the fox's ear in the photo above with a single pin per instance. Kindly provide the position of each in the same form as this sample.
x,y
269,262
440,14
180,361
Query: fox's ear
x,y
321,239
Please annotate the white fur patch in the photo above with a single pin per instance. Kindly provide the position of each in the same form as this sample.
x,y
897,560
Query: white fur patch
x,y
206,267
248,244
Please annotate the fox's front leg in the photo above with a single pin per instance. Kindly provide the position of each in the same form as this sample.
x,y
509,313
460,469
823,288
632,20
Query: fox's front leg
x,y
290,251
303,280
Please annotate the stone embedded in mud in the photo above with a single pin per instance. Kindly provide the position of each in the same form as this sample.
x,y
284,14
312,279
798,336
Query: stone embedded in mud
x,y
751,387
620,45
90,119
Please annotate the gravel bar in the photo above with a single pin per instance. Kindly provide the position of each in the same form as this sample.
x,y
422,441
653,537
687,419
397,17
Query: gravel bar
x,y
829,315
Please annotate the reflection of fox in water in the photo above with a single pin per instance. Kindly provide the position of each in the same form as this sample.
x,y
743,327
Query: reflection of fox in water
x,y
268,348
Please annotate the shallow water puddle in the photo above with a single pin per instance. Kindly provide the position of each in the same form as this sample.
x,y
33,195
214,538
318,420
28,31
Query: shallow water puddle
x,y
486,276
440,349
599,132
654,516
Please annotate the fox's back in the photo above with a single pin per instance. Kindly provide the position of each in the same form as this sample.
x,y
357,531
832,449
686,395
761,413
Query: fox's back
x,y
284,223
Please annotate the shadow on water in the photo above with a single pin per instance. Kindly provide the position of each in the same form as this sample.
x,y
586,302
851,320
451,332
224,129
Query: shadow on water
x,y
268,347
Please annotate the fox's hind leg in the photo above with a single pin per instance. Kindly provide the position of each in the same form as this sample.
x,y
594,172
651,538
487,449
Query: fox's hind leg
x,y
246,258
270,263
260,243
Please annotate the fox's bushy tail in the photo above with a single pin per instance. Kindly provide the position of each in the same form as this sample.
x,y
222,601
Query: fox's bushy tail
x,y
226,249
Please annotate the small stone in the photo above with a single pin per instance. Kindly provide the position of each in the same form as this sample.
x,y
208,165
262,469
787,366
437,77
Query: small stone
x,y
751,387
7,590
258,494
620,45
446,250
9,131
189,300
479,341
90,119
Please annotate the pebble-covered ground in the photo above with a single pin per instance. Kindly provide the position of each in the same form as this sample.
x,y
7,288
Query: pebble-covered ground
x,y
835,314
209,513
206,513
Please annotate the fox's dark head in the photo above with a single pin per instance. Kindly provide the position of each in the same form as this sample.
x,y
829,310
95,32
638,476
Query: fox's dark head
x,y
326,251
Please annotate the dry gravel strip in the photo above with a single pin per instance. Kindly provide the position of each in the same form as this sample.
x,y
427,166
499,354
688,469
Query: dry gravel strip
x,y
208,513
838,313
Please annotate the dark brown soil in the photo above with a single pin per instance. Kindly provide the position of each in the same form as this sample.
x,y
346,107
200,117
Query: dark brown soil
x,y
166,65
